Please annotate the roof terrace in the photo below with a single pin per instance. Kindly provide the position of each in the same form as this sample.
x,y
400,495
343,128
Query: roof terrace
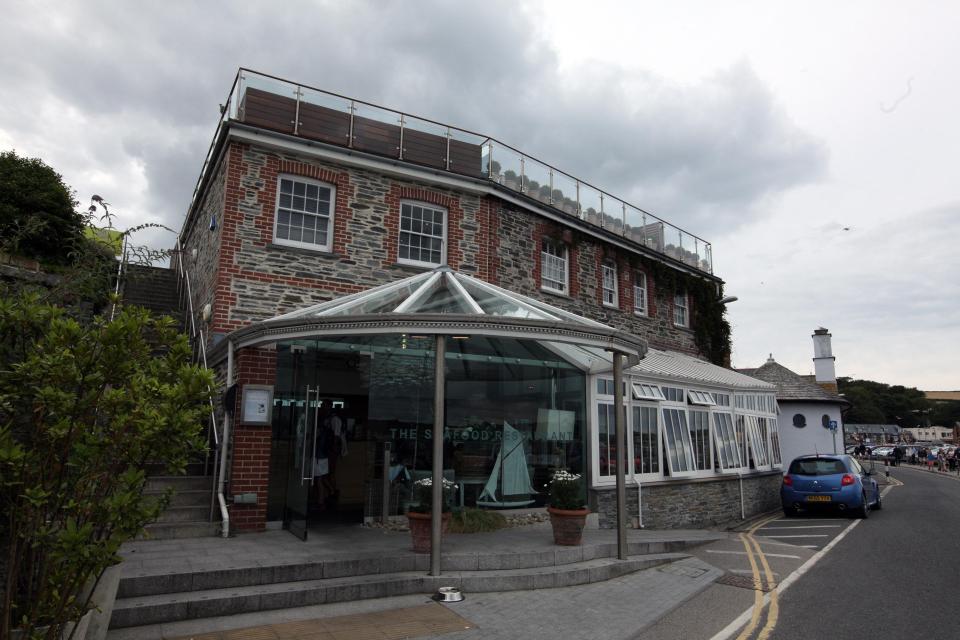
x,y
294,109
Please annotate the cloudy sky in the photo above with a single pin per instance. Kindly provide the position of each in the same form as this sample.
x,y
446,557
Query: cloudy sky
x,y
814,144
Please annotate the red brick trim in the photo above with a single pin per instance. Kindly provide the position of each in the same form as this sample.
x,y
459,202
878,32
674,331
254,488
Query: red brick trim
x,y
391,221
250,461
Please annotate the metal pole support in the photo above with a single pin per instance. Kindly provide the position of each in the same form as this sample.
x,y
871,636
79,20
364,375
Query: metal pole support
x,y
436,511
621,456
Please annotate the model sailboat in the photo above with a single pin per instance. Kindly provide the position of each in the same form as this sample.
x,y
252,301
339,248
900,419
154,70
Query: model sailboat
x,y
509,482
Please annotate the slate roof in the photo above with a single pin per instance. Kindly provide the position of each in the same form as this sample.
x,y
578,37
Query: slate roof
x,y
790,386
684,368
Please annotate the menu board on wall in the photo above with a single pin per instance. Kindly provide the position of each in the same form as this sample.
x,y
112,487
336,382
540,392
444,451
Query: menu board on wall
x,y
257,404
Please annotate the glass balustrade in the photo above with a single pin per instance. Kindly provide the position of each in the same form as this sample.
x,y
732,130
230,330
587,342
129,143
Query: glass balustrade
x,y
425,142
591,204
376,130
467,153
536,180
565,193
613,214
290,108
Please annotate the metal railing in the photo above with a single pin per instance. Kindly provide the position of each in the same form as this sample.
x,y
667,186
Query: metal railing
x,y
498,162
199,342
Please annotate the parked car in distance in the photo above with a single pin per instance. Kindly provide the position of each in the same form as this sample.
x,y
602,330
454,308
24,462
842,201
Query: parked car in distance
x,y
829,482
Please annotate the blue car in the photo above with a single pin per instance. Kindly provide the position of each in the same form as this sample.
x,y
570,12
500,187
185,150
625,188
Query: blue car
x,y
829,482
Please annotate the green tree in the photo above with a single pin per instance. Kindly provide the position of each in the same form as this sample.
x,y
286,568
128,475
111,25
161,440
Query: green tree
x,y
38,217
83,407
879,403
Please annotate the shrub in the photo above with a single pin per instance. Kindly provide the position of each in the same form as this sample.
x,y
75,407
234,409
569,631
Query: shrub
x,y
566,490
476,521
423,494
82,408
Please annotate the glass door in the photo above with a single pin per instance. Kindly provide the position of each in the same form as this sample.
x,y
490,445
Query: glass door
x,y
300,473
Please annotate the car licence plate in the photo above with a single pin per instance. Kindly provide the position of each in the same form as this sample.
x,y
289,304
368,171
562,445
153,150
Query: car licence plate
x,y
819,498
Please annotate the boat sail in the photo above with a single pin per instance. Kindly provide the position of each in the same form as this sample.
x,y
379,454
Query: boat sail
x,y
509,482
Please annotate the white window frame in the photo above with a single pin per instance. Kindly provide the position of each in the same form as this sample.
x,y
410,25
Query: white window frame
x,y
645,391
608,269
658,434
708,457
681,310
427,206
776,453
683,445
639,293
759,443
725,442
313,246
701,398
545,257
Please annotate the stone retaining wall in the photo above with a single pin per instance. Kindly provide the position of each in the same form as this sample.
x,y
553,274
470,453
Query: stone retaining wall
x,y
691,504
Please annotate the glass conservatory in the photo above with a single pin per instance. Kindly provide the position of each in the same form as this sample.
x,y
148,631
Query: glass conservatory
x,y
354,399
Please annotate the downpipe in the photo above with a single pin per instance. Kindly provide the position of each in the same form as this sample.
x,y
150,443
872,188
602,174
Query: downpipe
x,y
224,513
639,503
743,512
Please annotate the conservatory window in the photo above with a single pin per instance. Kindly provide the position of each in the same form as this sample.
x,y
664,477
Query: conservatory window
x,y
646,440
678,444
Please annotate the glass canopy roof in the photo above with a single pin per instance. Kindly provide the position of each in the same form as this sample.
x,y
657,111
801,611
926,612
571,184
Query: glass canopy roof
x,y
441,291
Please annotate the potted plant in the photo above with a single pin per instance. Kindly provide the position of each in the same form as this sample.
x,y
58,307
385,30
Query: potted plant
x,y
420,514
568,513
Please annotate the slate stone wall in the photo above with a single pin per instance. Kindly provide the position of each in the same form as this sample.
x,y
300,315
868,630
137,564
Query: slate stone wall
x,y
692,504
487,238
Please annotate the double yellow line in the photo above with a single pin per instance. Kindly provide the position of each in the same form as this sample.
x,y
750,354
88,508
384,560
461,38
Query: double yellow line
x,y
754,553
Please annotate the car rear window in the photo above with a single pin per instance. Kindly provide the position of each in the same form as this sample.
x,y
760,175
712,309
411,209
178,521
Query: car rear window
x,y
817,467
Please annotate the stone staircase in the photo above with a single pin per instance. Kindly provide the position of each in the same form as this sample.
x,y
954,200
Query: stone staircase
x,y
158,596
154,288
188,516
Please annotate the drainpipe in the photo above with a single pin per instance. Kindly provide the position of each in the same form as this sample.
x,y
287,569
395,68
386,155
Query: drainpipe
x,y
743,513
224,442
636,479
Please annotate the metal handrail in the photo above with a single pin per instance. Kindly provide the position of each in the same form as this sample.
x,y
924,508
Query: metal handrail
x,y
197,335
617,212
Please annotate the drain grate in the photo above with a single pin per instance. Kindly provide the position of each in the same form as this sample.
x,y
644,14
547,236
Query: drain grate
x,y
683,570
743,582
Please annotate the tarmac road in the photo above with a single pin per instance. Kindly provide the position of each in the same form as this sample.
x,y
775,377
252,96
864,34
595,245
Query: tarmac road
x,y
896,575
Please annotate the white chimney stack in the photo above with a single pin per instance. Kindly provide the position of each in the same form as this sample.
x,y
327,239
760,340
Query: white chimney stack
x,y
823,360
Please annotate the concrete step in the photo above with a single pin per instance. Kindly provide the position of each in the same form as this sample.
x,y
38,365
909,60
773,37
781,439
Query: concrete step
x,y
179,483
178,530
159,469
188,605
159,580
199,513
192,498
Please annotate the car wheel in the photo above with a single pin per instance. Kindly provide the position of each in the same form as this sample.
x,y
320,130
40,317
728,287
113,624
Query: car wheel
x,y
879,504
864,511
788,512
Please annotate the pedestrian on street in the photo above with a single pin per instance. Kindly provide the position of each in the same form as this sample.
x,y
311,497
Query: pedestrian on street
x,y
931,458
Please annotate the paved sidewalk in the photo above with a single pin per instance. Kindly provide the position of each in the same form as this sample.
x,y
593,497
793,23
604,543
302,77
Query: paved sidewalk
x,y
613,610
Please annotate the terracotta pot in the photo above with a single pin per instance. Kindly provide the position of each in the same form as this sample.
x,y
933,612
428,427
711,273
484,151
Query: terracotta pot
x,y
420,529
568,525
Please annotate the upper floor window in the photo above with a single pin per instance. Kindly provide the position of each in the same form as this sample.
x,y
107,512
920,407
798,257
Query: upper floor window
x,y
423,234
553,267
681,315
640,293
609,272
304,215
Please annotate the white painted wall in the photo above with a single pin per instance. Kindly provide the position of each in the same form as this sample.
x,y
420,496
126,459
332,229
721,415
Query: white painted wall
x,y
814,438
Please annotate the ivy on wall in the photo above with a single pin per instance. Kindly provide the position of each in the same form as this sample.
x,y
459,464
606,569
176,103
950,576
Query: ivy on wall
x,y
711,331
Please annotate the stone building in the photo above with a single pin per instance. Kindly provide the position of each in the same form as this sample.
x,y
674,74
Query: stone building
x,y
328,244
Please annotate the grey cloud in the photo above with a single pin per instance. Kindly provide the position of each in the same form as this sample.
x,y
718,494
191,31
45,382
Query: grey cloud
x,y
701,156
